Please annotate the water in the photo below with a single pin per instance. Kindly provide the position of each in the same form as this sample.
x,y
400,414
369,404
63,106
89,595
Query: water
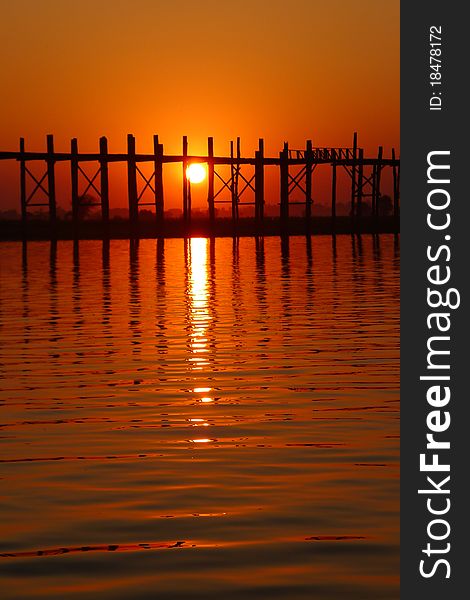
x,y
189,419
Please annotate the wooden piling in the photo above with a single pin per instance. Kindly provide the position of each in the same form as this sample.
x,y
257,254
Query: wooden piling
x,y
158,180
378,177
333,190
74,180
132,180
104,180
51,179
284,173
210,178
186,199
233,184
373,199
237,180
360,182
353,175
23,197
396,179
308,181
259,181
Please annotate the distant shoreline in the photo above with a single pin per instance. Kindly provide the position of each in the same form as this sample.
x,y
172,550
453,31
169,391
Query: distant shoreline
x,y
174,228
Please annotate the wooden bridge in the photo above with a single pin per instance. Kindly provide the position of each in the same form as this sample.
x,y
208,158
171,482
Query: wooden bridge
x,y
296,168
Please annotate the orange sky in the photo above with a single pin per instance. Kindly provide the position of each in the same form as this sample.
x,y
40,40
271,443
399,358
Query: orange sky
x,y
254,68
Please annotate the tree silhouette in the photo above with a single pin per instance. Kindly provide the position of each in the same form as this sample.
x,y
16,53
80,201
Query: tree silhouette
x,y
86,202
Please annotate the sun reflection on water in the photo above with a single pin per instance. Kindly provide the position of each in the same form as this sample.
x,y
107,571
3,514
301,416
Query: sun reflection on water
x,y
199,316
248,401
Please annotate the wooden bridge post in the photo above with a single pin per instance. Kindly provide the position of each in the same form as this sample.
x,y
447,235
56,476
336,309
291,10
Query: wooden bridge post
x,y
232,180
23,197
186,200
284,172
373,200
396,193
132,180
308,181
353,175
378,178
233,183
259,181
104,180
51,179
333,191
210,178
360,182
158,170
74,179
237,180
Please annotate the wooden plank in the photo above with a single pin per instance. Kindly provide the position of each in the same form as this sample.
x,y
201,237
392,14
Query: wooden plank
x,y
173,158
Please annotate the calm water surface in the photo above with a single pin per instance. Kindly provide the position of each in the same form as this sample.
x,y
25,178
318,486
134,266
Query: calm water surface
x,y
200,419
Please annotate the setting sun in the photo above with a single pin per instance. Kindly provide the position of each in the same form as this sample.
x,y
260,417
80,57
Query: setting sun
x,y
196,173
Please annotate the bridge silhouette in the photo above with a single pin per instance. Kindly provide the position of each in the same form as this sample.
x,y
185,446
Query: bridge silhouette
x,y
246,178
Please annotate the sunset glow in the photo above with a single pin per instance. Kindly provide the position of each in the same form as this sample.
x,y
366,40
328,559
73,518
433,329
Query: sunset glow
x,y
326,106
196,173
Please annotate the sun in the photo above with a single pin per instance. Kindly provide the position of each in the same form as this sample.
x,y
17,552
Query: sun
x,y
196,173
